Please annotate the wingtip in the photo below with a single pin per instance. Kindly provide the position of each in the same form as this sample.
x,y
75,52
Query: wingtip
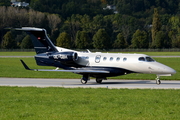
x,y
25,66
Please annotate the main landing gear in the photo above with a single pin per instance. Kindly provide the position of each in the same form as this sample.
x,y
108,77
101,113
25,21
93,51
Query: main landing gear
x,y
85,78
99,80
83,81
158,81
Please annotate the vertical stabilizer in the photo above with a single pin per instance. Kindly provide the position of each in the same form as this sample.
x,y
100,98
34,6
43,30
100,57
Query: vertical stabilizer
x,y
40,40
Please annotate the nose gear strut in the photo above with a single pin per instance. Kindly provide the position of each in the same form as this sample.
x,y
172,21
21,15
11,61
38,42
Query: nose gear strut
x,y
158,81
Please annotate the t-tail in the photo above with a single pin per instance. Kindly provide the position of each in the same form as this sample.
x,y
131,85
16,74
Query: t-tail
x,y
40,40
47,53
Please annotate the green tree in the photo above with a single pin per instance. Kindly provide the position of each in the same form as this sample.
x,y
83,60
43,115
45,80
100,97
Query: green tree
x,y
78,43
85,23
175,39
120,42
101,40
97,23
82,40
5,3
26,43
174,34
140,39
8,41
174,21
156,26
159,39
64,40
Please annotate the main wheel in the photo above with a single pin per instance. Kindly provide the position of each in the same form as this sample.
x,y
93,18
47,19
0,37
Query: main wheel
x,y
83,81
98,80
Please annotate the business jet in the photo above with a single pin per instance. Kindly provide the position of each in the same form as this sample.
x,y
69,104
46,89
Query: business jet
x,y
90,64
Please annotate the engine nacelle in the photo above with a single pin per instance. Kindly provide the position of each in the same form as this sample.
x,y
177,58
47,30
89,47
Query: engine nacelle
x,y
67,58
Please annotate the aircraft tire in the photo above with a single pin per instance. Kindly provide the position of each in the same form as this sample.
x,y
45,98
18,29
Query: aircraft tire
x,y
98,81
83,81
158,81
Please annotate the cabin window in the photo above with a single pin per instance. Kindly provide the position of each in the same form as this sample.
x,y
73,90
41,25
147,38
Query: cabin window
x,y
124,59
111,58
141,59
117,59
105,58
97,59
149,59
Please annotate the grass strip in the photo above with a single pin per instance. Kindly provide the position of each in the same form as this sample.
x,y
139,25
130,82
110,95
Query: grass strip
x,y
17,103
17,53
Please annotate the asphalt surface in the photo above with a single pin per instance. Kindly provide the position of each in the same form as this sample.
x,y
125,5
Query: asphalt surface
x,y
75,83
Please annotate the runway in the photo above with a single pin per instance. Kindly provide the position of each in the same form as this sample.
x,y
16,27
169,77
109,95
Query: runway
x,y
75,83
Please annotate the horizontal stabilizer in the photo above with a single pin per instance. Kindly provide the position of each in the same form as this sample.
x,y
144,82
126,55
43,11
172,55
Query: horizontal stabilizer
x,y
74,71
39,38
26,29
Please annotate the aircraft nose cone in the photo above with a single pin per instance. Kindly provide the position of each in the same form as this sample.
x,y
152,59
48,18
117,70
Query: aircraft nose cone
x,y
169,70
172,71
165,69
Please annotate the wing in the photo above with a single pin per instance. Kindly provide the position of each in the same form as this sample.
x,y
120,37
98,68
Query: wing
x,y
74,71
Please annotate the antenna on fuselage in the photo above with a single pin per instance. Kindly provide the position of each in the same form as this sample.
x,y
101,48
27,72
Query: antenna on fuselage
x,y
88,51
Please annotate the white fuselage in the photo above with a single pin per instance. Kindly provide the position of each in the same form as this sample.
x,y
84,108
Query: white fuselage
x,y
139,63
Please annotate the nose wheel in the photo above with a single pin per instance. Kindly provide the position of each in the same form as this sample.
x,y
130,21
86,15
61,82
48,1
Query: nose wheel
x,y
158,81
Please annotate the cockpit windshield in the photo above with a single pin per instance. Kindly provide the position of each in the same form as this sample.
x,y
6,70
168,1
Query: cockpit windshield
x,y
141,59
147,59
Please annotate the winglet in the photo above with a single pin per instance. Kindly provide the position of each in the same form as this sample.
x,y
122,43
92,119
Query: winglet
x,y
25,66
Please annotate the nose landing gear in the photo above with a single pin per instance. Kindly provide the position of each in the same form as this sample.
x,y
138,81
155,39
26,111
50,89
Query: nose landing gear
x,y
158,81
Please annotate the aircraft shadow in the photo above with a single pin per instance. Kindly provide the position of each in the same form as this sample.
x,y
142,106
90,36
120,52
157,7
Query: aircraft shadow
x,y
122,82
130,82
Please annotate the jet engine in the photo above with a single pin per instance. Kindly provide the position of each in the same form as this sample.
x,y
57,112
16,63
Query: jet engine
x,y
67,58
